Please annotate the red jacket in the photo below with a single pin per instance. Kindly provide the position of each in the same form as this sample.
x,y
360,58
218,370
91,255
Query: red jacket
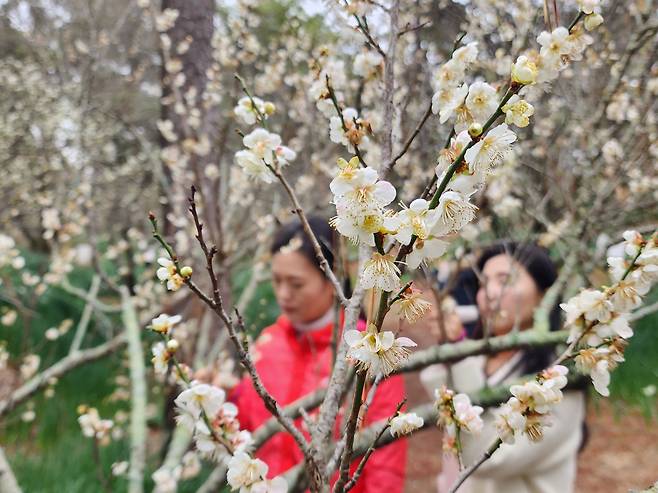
x,y
293,364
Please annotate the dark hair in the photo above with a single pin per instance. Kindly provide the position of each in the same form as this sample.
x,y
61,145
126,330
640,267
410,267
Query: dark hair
x,y
537,262
295,230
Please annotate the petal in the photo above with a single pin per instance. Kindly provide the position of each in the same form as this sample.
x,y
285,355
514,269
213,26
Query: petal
x,y
353,338
384,192
405,342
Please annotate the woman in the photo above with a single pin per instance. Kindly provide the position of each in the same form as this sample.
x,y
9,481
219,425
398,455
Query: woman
x,y
294,358
513,280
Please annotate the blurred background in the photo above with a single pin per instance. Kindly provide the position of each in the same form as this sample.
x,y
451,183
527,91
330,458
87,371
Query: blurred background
x,y
109,110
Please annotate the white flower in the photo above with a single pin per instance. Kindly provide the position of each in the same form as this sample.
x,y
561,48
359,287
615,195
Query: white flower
x,y
598,362
554,44
244,471
93,426
510,420
344,181
284,155
491,149
359,226
380,272
450,74
199,397
412,306
518,111
633,242
426,251
555,377
524,71
29,366
274,485
119,468
405,423
166,480
254,167
163,323
160,358
617,267
466,54
589,303
466,414
167,272
617,327
246,110
625,296
417,220
588,6
363,191
481,101
592,21
455,211
263,144
601,377
446,101
377,352
533,396
367,64
355,134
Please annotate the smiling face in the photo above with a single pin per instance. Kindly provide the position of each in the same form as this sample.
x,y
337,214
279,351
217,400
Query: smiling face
x,y
302,291
508,295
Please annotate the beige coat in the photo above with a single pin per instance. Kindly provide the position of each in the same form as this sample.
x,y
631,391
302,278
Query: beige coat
x,y
548,466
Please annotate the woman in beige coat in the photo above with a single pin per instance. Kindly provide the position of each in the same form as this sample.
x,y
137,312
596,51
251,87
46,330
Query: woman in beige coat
x,y
513,280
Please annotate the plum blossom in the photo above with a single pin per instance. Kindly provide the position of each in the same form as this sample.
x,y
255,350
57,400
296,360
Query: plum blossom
x,y
455,211
377,352
380,272
163,323
405,423
481,101
524,71
412,306
426,251
518,111
168,272
491,150
262,144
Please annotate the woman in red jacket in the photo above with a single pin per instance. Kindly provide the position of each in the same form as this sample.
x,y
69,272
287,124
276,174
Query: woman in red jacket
x,y
294,356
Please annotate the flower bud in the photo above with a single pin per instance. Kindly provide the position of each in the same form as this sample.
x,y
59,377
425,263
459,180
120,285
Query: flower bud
x,y
474,129
172,345
269,108
592,21
524,71
186,271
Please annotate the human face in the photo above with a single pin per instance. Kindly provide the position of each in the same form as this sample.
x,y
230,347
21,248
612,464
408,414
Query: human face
x,y
507,296
302,292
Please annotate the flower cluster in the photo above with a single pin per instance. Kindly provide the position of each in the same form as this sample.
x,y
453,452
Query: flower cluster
x,y
169,274
527,411
264,151
360,198
355,131
456,413
93,426
203,409
405,423
377,352
450,92
599,318
250,110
